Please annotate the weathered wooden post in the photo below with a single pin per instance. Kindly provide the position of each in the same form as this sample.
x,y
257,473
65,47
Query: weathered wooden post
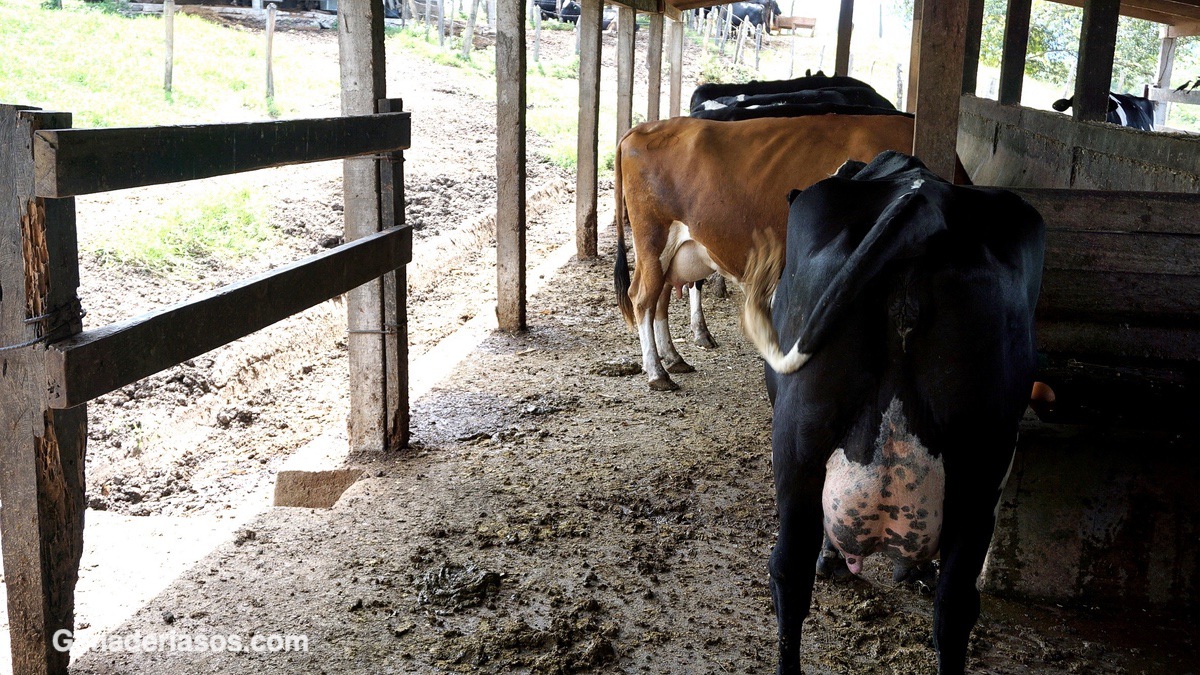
x,y
1093,74
939,88
626,24
975,11
270,39
1016,43
441,23
510,165
41,449
914,56
1162,78
841,62
375,422
675,38
591,20
757,46
169,23
395,294
654,66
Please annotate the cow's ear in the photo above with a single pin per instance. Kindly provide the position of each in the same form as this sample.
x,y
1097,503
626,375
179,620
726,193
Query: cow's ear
x,y
792,195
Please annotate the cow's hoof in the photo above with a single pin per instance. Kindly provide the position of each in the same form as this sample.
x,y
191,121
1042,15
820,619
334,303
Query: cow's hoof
x,y
680,366
705,342
831,565
663,384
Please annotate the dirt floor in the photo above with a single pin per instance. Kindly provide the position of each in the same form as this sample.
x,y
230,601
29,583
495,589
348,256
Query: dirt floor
x,y
552,515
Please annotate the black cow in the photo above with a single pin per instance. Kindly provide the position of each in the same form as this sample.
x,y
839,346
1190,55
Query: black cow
x,y
862,97
910,304
1136,112
756,13
713,91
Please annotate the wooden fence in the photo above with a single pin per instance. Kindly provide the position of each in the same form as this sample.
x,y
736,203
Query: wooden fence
x,y
50,367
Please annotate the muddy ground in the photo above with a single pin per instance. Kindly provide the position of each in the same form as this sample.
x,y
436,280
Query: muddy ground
x,y
552,515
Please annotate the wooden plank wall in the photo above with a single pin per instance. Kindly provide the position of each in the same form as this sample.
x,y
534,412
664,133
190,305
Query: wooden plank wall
x,y
41,450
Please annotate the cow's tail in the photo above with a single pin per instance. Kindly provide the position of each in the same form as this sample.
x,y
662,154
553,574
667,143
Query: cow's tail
x,y
764,266
621,268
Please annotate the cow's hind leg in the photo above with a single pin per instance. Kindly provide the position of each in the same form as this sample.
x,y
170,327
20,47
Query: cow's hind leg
x,y
970,518
831,564
700,334
798,495
671,359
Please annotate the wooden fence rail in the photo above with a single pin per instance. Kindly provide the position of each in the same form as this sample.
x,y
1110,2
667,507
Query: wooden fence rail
x,y
43,163
71,162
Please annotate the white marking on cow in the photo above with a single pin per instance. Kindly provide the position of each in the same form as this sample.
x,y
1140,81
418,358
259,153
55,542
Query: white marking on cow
x,y
662,337
650,361
917,184
714,105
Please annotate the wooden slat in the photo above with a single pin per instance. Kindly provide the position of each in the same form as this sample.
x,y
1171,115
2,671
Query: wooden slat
x,y
41,450
99,361
1167,95
395,298
845,30
1115,297
654,52
644,6
1118,341
1131,253
1105,211
510,165
362,68
974,37
587,164
675,59
939,90
1097,44
1016,44
626,42
85,161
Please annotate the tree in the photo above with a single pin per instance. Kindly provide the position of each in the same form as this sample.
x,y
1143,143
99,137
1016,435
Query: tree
x,y
1054,44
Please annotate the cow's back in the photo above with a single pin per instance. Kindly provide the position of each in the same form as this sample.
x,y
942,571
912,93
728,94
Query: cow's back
x,y
728,179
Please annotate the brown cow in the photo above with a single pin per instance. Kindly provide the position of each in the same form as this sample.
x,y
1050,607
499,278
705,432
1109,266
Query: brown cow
x,y
724,180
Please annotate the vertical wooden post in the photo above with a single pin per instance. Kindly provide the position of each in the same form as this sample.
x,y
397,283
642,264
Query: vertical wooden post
x,y
626,19
1016,43
361,54
939,90
974,38
270,39
591,20
441,23
841,64
41,450
654,66
914,57
757,47
675,61
169,23
395,294
491,12
537,36
1166,64
728,32
510,165
1093,74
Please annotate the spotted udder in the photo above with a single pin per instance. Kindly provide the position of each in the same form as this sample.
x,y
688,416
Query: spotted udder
x,y
892,505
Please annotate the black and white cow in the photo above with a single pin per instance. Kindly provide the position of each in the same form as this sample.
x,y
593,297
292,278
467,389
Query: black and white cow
x,y
713,91
906,304
863,96
1136,112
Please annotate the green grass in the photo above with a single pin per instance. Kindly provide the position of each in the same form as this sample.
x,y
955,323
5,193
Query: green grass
x,y
108,69
217,227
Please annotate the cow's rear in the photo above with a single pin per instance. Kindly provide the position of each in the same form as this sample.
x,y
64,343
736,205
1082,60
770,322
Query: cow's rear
x,y
907,305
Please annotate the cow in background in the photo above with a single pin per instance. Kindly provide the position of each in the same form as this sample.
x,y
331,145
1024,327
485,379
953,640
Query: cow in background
x,y
1135,112
906,306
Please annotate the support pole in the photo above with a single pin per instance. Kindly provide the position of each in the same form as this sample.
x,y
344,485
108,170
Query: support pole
x,y
395,293
626,19
943,39
270,43
1162,79
41,450
974,38
1097,44
361,54
654,66
841,64
675,39
169,24
1016,44
587,164
914,57
510,164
